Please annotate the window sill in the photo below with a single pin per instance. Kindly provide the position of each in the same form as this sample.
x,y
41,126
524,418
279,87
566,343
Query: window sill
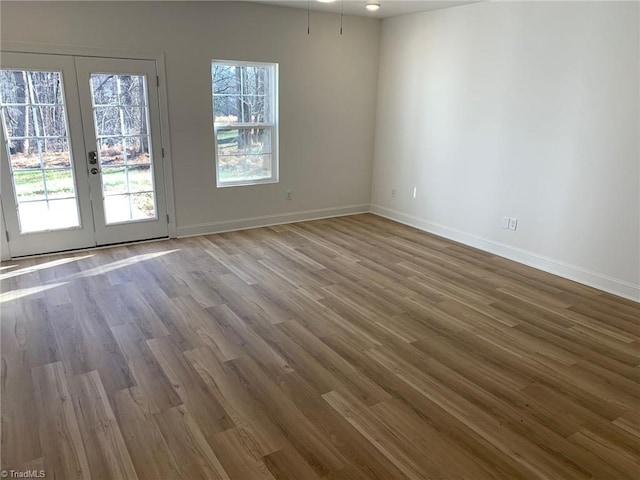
x,y
247,183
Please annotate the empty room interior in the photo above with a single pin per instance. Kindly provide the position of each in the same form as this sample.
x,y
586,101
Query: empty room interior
x,y
302,240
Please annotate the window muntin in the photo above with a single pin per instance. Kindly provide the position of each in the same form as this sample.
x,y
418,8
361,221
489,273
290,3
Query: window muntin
x,y
245,122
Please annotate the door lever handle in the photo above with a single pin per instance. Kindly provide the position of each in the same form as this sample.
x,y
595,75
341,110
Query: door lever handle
x,y
93,158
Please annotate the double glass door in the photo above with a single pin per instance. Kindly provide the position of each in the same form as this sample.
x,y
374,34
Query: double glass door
x,y
82,163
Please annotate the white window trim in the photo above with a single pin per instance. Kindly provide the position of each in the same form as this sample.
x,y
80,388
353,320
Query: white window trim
x,y
273,125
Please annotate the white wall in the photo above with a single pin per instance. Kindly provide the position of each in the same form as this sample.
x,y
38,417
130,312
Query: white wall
x,y
528,110
327,96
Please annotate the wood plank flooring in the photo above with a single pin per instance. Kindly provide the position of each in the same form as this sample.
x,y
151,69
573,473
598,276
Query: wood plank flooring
x,y
343,349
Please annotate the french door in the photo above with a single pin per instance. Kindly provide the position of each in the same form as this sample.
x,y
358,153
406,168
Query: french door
x,y
82,163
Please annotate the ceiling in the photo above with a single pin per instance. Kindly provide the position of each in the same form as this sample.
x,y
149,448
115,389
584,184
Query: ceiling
x,y
388,8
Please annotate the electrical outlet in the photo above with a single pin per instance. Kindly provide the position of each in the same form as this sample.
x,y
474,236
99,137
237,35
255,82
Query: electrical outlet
x,y
289,195
505,222
513,223
394,193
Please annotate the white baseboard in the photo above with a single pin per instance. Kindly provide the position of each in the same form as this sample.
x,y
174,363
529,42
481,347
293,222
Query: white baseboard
x,y
268,220
572,272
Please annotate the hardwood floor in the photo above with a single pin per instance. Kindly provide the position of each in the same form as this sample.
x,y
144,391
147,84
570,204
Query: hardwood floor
x,y
350,348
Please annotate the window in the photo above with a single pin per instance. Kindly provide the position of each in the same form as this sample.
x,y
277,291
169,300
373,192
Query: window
x,y
245,122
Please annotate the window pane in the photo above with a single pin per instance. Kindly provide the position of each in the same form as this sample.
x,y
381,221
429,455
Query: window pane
x,y
135,120
243,141
244,167
13,87
132,90
63,213
256,81
117,209
114,180
142,206
59,183
230,142
124,208
46,89
29,185
50,121
33,216
226,80
104,89
108,121
110,151
25,153
226,110
55,153
256,109
15,121
51,215
261,140
137,149
140,178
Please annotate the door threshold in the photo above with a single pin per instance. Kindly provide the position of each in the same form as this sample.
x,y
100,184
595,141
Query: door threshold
x,y
87,249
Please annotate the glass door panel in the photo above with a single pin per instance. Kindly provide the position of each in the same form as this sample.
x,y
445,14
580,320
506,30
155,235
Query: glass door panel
x,y
121,122
34,120
119,101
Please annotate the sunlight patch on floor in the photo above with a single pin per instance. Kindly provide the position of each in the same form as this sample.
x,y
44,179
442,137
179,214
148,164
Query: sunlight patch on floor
x,y
41,266
125,262
25,292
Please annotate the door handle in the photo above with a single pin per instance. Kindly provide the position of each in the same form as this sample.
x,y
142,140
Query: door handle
x,y
93,158
95,171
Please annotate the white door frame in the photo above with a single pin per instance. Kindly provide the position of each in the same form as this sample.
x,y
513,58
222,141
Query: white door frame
x,y
158,57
